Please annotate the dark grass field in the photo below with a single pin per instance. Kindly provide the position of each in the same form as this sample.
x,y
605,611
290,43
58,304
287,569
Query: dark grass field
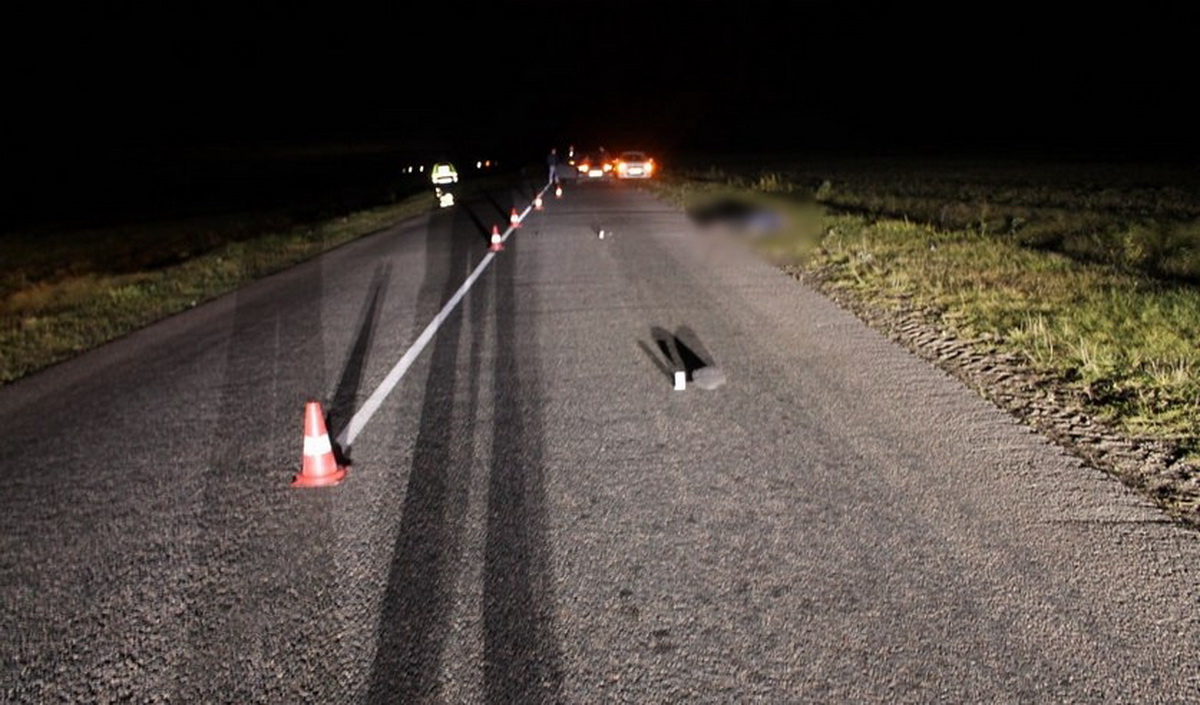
x,y
117,241
1136,216
93,212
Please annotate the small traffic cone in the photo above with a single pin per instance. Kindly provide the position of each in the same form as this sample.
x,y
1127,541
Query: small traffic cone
x,y
320,468
558,190
537,202
514,218
497,242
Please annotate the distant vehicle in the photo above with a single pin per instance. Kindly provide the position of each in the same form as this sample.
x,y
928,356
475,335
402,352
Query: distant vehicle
x,y
596,164
593,166
443,173
635,165
444,176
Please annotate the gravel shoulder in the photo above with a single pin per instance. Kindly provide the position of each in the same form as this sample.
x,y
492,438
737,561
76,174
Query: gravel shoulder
x,y
1150,466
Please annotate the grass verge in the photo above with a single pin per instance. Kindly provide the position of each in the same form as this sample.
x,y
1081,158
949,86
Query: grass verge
x,y
70,292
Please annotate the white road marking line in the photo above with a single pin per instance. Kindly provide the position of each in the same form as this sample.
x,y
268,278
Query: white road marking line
x,y
361,417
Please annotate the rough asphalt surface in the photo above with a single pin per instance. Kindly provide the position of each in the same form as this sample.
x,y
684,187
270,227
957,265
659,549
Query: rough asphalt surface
x,y
536,515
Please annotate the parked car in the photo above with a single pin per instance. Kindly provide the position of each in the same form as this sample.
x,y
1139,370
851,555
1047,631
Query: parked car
x,y
635,165
593,166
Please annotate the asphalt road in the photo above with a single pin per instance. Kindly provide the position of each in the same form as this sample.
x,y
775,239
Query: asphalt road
x,y
534,514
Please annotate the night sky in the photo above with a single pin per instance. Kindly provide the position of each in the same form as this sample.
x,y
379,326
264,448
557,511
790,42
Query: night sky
x,y
130,96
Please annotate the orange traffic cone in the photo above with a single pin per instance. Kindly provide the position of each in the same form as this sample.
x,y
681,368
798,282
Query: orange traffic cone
x,y
515,219
558,190
537,202
497,242
320,467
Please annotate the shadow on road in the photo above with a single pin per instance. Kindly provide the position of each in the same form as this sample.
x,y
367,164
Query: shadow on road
x,y
521,661
484,229
341,409
416,605
679,351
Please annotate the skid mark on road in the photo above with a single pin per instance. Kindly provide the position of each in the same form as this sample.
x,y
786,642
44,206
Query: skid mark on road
x,y
522,661
416,605
342,406
371,405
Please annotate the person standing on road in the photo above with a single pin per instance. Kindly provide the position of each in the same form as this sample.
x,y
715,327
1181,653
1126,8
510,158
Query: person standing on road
x,y
552,164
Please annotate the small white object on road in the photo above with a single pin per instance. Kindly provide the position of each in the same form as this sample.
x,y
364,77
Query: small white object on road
x,y
680,380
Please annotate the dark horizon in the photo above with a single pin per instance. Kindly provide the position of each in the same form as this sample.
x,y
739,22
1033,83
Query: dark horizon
x,y
110,102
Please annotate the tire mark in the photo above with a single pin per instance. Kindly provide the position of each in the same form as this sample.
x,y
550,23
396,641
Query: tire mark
x,y
522,663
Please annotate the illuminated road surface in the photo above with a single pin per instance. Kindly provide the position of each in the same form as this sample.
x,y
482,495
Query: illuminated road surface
x,y
534,514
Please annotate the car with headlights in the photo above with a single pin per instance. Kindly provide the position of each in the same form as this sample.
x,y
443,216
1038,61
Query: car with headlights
x,y
593,166
634,165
